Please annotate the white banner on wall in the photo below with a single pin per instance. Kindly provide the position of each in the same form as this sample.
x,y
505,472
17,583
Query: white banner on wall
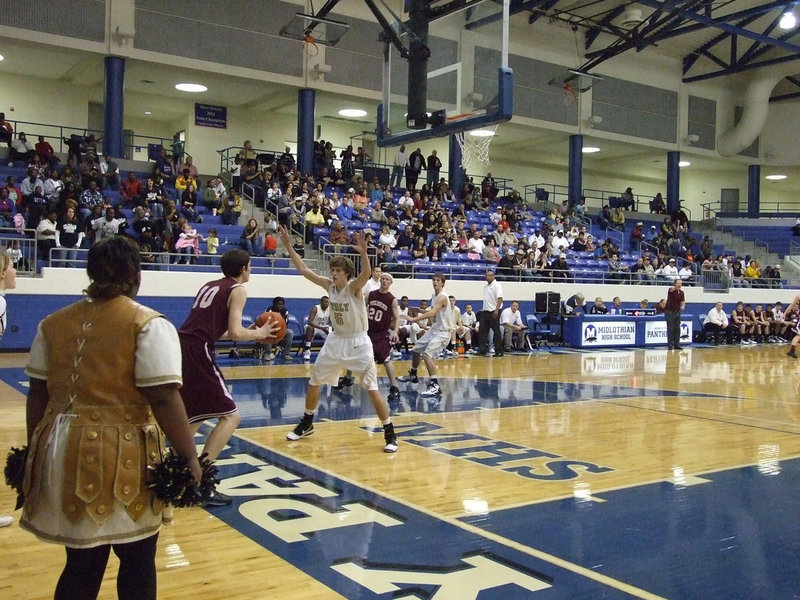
x,y
608,333
655,332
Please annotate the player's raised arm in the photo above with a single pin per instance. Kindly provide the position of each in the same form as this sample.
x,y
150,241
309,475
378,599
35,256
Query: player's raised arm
x,y
298,263
366,269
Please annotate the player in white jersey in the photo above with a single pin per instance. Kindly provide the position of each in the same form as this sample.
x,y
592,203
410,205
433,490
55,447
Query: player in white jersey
x,y
434,340
372,284
348,344
318,324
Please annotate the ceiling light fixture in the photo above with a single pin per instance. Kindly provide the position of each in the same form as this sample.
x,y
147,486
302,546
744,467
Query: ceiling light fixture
x,y
2,57
684,163
482,133
147,112
590,149
191,87
788,20
352,112
776,177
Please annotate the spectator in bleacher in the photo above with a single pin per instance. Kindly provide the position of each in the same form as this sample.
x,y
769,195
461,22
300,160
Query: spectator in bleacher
x,y
579,244
398,166
617,269
249,239
188,164
142,217
107,226
184,182
637,237
414,166
236,173
6,130
652,235
419,251
46,234
6,209
435,251
68,237
604,219
489,187
387,237
53,186
313,218
626,200
29,184
171,217
405,241
559,269
74,145
211,200
109,173
339,235
669,272
687,273
90,198
434,165
347,155
21,149
638,271
189,205
491,252
649,271
752,274
657,205
14,193
618,219
45,152
188,243
130,189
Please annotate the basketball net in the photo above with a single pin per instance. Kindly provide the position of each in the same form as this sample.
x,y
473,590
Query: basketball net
x,y
475,149
569,93
309,45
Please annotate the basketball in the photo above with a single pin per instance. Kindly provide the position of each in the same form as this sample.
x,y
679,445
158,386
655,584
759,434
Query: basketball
x,y
275,319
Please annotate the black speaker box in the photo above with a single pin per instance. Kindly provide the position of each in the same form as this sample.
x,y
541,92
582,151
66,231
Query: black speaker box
x,y
548,303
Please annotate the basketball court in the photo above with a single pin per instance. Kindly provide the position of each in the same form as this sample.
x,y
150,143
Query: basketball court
x,y
563,474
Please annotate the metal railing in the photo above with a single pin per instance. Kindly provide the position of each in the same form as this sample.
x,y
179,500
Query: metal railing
x,y
26,253
132,143
765,209
172,261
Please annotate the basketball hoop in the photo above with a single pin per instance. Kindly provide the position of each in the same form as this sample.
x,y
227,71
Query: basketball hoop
x,y
569,93
310,47
475,145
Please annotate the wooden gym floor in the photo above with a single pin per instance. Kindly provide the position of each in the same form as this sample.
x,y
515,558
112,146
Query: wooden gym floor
x,y
563,474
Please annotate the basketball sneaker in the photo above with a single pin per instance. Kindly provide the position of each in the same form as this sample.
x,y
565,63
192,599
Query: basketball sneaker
x,y
390,438
216,498
307,355
234,353
6,521
791,352
408,378
394,394
396,354
431,390
343,383
304,428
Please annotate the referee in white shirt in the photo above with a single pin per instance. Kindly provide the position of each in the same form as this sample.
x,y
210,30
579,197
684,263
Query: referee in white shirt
x,y
489,317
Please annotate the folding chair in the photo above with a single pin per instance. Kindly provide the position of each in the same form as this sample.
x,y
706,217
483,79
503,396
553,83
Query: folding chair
x,y
538,333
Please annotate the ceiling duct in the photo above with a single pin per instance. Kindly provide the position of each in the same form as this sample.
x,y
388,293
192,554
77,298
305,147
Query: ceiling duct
x,y
631,17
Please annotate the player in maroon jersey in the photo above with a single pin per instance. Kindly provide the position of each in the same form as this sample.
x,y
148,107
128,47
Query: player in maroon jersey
x,y
383,321
216,312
